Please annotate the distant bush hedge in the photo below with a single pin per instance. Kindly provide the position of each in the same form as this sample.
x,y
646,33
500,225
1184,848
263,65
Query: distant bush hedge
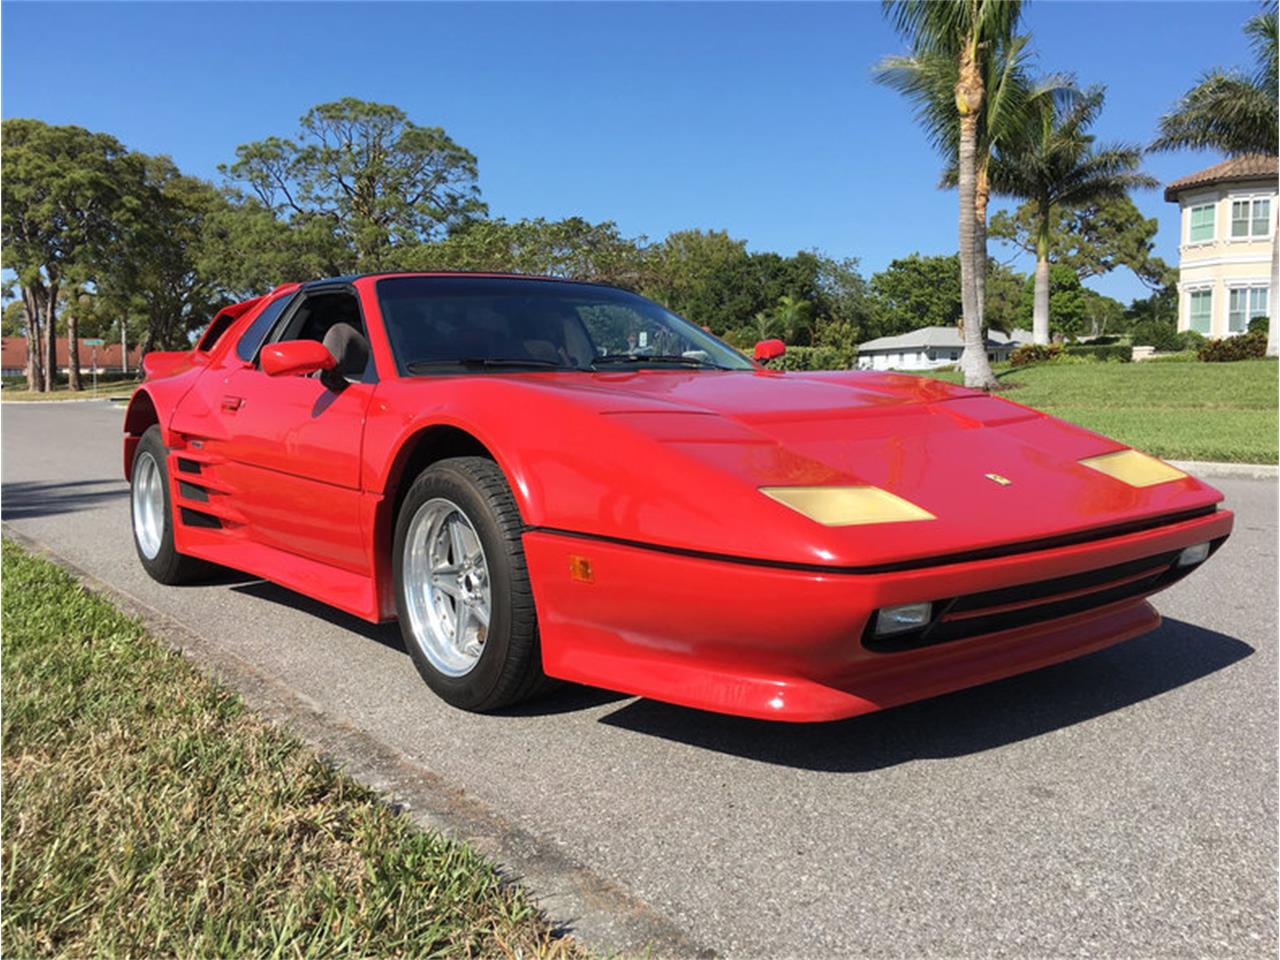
x,y
1247,346
1152,333
1112,352
1035,353
813,358
1190,340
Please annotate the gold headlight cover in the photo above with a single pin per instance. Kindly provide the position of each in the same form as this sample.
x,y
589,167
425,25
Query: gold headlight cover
x,y
847,506
1134,468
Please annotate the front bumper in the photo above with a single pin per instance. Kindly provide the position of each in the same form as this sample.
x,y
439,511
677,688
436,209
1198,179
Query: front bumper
x,y
784,644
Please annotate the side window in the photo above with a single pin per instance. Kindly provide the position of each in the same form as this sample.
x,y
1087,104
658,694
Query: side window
x,y
333,318
215,332
252,338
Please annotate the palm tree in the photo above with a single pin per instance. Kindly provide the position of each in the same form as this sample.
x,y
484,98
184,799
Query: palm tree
x,y
969,34
1057,163
1236,113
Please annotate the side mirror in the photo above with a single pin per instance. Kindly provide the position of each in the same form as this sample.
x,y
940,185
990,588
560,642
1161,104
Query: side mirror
x,y
769,349
291,358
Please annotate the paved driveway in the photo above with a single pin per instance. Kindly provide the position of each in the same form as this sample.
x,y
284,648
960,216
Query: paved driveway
x,y
1121,804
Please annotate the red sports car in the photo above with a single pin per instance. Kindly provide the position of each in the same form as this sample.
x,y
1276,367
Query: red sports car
x,y
548,479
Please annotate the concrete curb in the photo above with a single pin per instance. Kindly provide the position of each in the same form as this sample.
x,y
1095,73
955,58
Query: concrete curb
x,y
1209,470
599,911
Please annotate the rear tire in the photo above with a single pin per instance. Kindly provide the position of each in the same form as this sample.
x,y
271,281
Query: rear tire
x,y
462,587
151,510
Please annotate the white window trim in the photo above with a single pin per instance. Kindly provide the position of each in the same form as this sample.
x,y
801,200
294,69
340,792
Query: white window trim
x,y
1250,198
1247,286
1200,288
1213,237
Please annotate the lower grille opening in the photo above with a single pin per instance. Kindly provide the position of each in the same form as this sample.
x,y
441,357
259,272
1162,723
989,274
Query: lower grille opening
x,y
992,611
188,466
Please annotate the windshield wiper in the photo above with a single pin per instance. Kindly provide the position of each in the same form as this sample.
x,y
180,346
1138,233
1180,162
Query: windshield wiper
x,y
417,365
656,358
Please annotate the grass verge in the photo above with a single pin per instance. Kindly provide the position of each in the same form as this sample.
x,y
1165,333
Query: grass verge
x,y
118,388
147,812
1181,411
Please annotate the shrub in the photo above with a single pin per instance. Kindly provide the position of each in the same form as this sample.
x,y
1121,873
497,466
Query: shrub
x,y
1035,353
813,358
1182,356
1259,325
1152,333
1103,341
1247,346
1190,340
1113,352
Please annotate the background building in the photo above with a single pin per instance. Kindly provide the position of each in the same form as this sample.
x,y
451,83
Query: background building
x,y
13,351
931,347
1228,229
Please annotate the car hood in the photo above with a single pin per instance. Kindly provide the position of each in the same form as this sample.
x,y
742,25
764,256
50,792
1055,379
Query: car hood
x,y
691,450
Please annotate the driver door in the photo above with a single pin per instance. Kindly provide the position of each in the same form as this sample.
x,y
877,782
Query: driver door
x,y
287,448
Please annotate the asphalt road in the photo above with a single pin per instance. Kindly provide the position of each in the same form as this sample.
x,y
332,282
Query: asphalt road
x,y
1123,804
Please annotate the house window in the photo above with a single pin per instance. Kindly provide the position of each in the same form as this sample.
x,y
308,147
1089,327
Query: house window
x,y
1245,304
1201,310
1250,218
955,354
1201,224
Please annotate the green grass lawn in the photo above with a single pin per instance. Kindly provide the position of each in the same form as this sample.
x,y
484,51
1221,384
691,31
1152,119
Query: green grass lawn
x,y
63,392
148,813
1181,411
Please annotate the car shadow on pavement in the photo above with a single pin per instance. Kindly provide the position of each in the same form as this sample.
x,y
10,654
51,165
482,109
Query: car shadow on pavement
x,y
387,634
966,722
27,500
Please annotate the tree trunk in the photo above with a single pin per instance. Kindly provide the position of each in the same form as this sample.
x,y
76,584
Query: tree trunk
x,y
982,196
35,369
51,338
974,363
1273,295
73,352
1040,308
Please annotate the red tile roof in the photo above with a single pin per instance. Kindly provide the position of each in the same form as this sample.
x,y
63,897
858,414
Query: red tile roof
x,y
1250,166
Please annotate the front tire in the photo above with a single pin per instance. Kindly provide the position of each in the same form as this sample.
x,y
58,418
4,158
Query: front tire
x,y
151,511
462,587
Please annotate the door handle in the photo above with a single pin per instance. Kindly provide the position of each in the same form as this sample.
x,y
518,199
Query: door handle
x,y
232,404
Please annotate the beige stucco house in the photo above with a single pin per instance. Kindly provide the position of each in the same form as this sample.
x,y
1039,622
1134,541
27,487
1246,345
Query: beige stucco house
x,y
1228,225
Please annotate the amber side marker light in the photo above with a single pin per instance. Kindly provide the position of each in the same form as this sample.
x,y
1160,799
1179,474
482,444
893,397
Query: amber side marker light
x,y
580,569
847,506
1134,468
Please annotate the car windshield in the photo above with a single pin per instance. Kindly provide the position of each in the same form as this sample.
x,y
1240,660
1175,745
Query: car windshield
x,y
500,324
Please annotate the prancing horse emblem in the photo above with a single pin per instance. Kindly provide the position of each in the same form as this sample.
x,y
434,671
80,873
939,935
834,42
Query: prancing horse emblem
x,y
996,478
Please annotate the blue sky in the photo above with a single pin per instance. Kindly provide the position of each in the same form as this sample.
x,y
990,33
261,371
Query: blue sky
x,y
755,118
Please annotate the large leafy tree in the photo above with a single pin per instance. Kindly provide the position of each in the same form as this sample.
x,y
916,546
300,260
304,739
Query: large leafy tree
x,y
1092,239
360,180
919,291
63,191
1058,164
155,283
1235,112
573,249
963,46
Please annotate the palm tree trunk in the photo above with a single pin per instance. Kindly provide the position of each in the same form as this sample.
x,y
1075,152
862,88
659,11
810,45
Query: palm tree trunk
x,y
1040,308
973,361
982,197
1273,295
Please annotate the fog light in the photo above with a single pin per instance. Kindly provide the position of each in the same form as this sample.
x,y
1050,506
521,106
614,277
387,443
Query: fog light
x,y
1193,555
903,617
